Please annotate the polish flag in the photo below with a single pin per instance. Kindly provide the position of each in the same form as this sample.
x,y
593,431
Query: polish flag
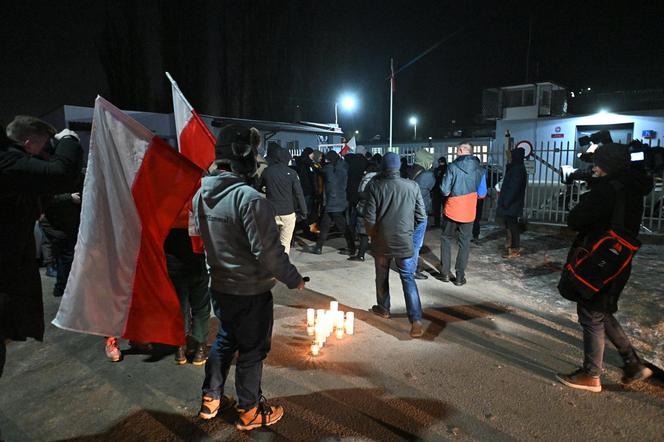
x,y
195,141
350,146
135,186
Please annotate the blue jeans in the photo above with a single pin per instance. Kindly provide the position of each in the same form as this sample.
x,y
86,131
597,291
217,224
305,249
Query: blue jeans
x,y
245,327
418,240
406,268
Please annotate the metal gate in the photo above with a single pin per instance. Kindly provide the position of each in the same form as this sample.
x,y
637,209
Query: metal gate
x,y
549,199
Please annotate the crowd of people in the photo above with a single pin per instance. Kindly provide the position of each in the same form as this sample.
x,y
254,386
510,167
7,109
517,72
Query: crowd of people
x,y
246,213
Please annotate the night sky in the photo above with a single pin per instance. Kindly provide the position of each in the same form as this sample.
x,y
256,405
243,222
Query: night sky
x,y
52,55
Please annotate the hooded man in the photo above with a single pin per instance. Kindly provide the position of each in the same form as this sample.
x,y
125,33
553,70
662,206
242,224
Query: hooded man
x,y
614,185
421,173
282,188
464,182
512,199
335,174
245,257
394,210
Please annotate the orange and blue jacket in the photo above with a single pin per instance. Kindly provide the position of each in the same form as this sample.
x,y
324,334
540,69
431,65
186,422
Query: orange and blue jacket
x,y
463,184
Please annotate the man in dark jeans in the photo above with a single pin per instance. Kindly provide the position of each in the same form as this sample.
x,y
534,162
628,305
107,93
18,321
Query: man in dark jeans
x,y
245,256
614,184
394,210
190,278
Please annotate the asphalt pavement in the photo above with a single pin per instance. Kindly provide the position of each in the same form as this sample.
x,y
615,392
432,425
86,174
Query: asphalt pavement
x,y
484,369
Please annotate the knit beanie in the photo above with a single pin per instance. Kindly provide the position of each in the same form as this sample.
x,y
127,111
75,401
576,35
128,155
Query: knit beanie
x,y
391,161
612,158
307,151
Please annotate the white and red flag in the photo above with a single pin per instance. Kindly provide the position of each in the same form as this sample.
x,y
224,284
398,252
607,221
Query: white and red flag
x,y
350,146
195,141
135,186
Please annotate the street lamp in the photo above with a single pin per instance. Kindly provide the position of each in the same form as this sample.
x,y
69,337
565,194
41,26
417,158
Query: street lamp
x,y
348,103
413,122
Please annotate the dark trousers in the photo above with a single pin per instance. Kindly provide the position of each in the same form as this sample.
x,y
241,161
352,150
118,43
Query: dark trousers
x,y
63,254
340,221
192,290
479,208
245,327
364,245
597,325
464,230
437,203
512,225
406,268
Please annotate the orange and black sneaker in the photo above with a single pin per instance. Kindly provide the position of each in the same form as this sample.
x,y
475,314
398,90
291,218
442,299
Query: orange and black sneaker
x,y
210,406
581,380
263,415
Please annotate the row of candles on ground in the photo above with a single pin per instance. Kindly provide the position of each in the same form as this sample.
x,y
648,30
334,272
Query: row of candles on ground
x,y
322,323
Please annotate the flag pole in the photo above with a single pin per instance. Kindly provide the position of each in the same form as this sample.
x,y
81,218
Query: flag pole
x,y
177,89
391,97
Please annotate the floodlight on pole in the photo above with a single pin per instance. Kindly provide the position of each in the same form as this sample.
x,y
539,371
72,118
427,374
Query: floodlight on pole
x,y
413,122
348,104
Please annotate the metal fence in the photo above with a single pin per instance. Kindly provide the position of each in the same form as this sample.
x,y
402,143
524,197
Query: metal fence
x,y
549,199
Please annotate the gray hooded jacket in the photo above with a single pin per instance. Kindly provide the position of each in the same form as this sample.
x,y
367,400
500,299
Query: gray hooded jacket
x,y
241,238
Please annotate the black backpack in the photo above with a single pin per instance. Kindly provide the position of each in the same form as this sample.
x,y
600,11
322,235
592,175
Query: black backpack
x,y
603,255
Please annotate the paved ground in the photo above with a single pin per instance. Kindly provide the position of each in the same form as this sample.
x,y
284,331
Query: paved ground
x,y
483,371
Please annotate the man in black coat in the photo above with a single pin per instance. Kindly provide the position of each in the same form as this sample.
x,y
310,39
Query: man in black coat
x,y
594,213
511,200
23,178
282,188
306,171
394,209
335,175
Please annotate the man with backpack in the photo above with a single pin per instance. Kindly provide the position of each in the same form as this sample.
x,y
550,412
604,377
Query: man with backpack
x,y
615,201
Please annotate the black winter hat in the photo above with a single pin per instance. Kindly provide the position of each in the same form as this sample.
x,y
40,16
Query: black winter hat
x,y
332,156
612,158
307,151
237,146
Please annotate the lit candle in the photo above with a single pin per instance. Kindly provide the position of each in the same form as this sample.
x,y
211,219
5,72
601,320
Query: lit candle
x,y
311,317
314,349
334,306
340,333
350,323
311,331
340,319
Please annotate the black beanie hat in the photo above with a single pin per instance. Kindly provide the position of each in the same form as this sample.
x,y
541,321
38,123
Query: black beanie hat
x,y
307,151
332,156
612,158
237,146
